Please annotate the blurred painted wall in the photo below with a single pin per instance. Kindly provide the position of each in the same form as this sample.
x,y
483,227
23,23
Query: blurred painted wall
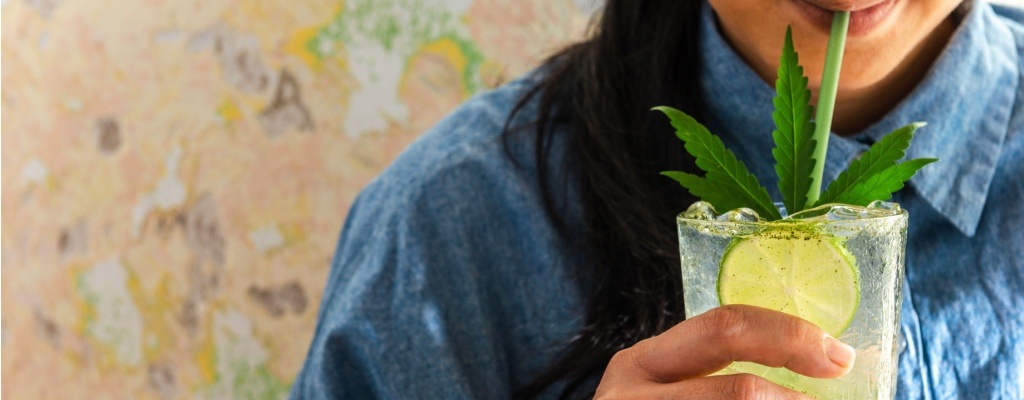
x,y
175,173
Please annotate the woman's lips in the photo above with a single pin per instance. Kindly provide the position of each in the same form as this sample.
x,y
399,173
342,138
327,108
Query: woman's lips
x,y
862,20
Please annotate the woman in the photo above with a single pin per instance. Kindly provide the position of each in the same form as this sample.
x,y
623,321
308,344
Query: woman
x,y
525,246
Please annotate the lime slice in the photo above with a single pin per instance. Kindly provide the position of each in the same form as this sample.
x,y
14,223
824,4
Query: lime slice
x,y
806,274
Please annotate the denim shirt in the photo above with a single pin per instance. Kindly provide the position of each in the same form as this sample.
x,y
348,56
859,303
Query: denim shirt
x,y
449,280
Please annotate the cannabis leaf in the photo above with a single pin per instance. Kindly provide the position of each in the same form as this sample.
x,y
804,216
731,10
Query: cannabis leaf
x,y
799,151
793,135
879,157
727,183
720,197
882,185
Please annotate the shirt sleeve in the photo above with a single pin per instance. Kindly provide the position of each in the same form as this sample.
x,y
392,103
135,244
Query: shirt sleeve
x,y
403,314
449,279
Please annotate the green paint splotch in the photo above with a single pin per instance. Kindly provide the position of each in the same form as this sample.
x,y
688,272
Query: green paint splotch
x,y
240,362
377,39
112,317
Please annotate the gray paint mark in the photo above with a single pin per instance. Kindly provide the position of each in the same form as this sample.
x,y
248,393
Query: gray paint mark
x,y
286,111
166,225
108,135
204,237
205,279
240,57
277,300
73,240
166,36
161,379
201,225
202,231
44,7
47,329
189,316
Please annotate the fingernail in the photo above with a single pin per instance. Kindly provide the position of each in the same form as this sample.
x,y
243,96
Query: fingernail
x,y
840,353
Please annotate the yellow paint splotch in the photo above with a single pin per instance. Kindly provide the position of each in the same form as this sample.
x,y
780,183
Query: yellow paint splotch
x,y
298,46
228,111
450,51
206,360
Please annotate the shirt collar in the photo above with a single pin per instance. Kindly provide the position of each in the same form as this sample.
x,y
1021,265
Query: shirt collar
x,y
966,99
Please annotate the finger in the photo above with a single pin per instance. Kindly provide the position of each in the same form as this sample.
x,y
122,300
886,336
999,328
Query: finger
x,y
711,341
738,386
732,387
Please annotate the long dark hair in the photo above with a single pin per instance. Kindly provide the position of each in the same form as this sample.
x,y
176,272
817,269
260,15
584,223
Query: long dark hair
x,y
640,54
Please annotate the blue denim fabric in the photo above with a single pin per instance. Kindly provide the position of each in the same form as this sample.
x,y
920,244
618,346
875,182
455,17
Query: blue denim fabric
x,y
450,282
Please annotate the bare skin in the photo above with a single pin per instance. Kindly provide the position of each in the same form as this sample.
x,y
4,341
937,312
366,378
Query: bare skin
x,y
892,44
889,49
676,363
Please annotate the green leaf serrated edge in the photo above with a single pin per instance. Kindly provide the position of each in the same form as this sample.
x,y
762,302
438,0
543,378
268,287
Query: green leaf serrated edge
x,y
727,184
882,185
879,157
793,136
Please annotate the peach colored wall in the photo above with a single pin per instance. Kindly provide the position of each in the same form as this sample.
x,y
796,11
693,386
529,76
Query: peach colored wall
x,y
175,173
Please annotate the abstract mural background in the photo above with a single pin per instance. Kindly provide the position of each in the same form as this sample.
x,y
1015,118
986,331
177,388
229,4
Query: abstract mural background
x,y
175,173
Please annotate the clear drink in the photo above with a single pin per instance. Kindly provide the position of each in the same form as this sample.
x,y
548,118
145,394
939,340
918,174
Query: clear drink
x,y
838,266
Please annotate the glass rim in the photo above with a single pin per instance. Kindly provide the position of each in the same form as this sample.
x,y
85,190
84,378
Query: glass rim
x,y
895,216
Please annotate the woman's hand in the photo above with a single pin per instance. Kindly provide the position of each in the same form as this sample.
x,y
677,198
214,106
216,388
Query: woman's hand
x,y
674,365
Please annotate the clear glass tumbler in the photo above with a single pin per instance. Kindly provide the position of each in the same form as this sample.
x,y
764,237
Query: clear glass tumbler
x,y
838,266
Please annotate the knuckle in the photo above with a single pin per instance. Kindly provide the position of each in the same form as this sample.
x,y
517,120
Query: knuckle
x,y
628,359
724,323
800,329
747,387
804,331
618,359
635,361
619,376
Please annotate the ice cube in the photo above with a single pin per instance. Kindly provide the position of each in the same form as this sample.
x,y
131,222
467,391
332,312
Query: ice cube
x,y
885,205
741,214
832,212
811,213
845,213
700,210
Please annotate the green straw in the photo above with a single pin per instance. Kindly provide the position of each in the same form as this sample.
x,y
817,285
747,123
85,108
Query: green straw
x,y
827,100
